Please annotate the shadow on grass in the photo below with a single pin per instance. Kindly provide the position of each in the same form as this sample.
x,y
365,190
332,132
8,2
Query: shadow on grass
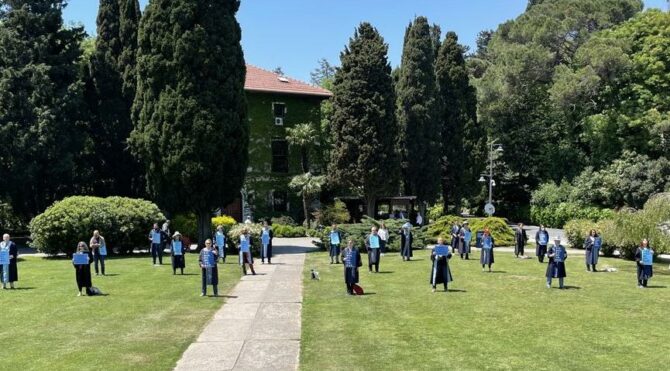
x,y
367,293
384,272
568,287
20,288
186,274
656,287
109,275
456,290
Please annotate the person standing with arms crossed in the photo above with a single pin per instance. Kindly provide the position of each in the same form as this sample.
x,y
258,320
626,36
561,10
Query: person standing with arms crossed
x,y
99,250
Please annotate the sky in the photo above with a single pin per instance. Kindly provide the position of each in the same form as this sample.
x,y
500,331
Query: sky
x,y
295,34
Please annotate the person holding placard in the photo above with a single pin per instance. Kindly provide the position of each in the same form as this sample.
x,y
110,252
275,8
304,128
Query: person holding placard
x,y
556,267
592,245
9,254
156,238
220,239
266,243
406,239
373,247
351,258
245,252
644,258
440,272
81,260
520,238
465,236
99,250
210,271
335,240
487,250
178,252
541,242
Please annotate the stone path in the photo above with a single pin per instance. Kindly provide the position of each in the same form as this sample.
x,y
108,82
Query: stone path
x,y
259,325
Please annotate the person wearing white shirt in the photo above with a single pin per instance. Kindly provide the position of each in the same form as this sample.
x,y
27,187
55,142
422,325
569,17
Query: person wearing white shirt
x,y
383,234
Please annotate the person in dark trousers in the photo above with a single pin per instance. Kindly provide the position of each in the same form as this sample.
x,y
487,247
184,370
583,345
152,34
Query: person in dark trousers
x,y
556,267
644,259
455,237
373,247
245,253
487,250
210,272
266,243
351,258
99,250
156,238
406,239
592,246
440,272
220,239
10,272
83,270
520,239
335,241
541,241
383,234
178,251
465,236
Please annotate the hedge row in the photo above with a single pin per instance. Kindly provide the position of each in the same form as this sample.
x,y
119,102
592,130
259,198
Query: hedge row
x,y
556,216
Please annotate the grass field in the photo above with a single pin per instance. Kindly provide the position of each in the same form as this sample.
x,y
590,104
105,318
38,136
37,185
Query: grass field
x,y
502,320
146,321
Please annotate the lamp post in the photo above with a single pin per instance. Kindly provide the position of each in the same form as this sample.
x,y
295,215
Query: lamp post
x,y
493,147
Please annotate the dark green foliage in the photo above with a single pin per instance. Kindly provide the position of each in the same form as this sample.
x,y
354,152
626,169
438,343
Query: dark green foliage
x,y
419,145
463,139
557,215
359,231
363,121
41,124
124,222
288,231
501,232
190,114
336,213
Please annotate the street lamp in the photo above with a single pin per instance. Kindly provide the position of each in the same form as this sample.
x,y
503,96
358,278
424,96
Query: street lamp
x,y
493,147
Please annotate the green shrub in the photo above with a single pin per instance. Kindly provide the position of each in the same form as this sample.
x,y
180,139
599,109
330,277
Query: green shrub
x,y
283,220
359,231
435,212
124,222
576,231
254,232
556,216
336,213
289,231
9,221
501,232
187,224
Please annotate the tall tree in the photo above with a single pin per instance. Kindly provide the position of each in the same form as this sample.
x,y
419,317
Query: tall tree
x,y
302,136
41,127
190,113
463,139
323,73
363,121
416,111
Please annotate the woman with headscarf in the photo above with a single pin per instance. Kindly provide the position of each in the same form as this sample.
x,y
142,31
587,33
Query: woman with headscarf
x,y
178,250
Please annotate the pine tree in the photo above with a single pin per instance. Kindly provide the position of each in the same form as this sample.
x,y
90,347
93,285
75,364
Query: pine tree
x,y
416,111
363,121
463,139
42,133
190,116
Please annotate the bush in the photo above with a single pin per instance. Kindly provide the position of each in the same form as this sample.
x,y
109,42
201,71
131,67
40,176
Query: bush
x,y
576,231
124,222
556,216
359,231
187,224
435,212
501,232
9,222
254,232
283,220
224,220
281,230
336,213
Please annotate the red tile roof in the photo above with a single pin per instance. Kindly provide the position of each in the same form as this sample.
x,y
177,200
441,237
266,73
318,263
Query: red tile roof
x,y
260,80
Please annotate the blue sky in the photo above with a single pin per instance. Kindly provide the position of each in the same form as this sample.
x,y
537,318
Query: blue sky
x,y
294,34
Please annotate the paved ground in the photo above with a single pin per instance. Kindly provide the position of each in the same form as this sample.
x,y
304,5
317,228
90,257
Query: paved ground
x,y
259,326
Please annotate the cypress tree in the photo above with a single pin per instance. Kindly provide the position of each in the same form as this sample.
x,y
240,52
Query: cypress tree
x,y
416,111
190,116
41,129
363,121
463,139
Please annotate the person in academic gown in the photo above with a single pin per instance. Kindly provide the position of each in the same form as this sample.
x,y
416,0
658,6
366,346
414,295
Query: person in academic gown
x,y
178,250
156,238
556,267
406,239
520,238
351,258
335,241
83,271
541,241
373,247
210,272
592,247
266,243
644,258
245,253
12,274
465,236
440,272
455,237
220,240
487,250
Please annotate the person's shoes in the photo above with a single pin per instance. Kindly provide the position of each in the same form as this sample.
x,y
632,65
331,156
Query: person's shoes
x,y
548,286
216,295
489,270
202,294
561,287
433,290
594,270
79,294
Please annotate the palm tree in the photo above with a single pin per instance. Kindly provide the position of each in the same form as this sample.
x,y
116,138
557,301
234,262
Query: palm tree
x,y
308,186
302,136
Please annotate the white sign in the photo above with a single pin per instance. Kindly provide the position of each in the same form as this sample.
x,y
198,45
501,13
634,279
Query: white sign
x,y
489,209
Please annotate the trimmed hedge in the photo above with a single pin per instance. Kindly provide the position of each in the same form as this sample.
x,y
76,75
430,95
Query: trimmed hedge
x,y
281,230
501,232
556,216
124,222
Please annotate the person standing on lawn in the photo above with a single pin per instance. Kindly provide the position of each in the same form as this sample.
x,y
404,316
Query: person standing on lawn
x,y
156,238
266,243
406,239
440,272
220,239
465,235
373,247
351,258
520,238
83,269
178,251
210,272
383,234
644,259
556,267
455,237
245,252
541,241
99,250
10,271
487,250
592,246
335,240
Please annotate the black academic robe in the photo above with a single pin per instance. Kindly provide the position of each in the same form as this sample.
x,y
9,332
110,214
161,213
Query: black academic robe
x,y
178,261
83,273
351,270
556,269
487,254
440,272
13,268
406,244
591,255
520,239
541,250
644,272
455,238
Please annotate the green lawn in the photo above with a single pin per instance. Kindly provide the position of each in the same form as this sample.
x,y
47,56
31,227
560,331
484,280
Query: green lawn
x,y
146,321
502,320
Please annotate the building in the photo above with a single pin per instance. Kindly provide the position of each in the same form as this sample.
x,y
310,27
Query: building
x,y
275,103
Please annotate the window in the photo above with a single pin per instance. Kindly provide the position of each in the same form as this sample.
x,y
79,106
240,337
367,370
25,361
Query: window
x,y
279,201
278,112
279,156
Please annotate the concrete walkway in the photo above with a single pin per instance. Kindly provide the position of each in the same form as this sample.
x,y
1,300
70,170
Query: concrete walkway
x,y
259,325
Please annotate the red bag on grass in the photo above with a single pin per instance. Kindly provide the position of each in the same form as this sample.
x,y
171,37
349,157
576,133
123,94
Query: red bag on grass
x,y
358,290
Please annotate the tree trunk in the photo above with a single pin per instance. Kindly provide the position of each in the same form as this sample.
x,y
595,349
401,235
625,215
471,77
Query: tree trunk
x,y
422,211
204,227
305,163
305,209
370,203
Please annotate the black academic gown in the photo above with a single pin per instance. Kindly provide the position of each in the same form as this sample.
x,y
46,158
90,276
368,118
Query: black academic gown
x,y
540,250
592,253
487,254
215,270
13,268
520,239
351,270
555,269
374,255
178,261
455,238
406,244
83,273
440,272
644,272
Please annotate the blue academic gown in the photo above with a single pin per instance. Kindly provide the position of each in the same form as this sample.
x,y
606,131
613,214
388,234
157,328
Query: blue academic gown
x,y
592,252
352,260
487,253
556,266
